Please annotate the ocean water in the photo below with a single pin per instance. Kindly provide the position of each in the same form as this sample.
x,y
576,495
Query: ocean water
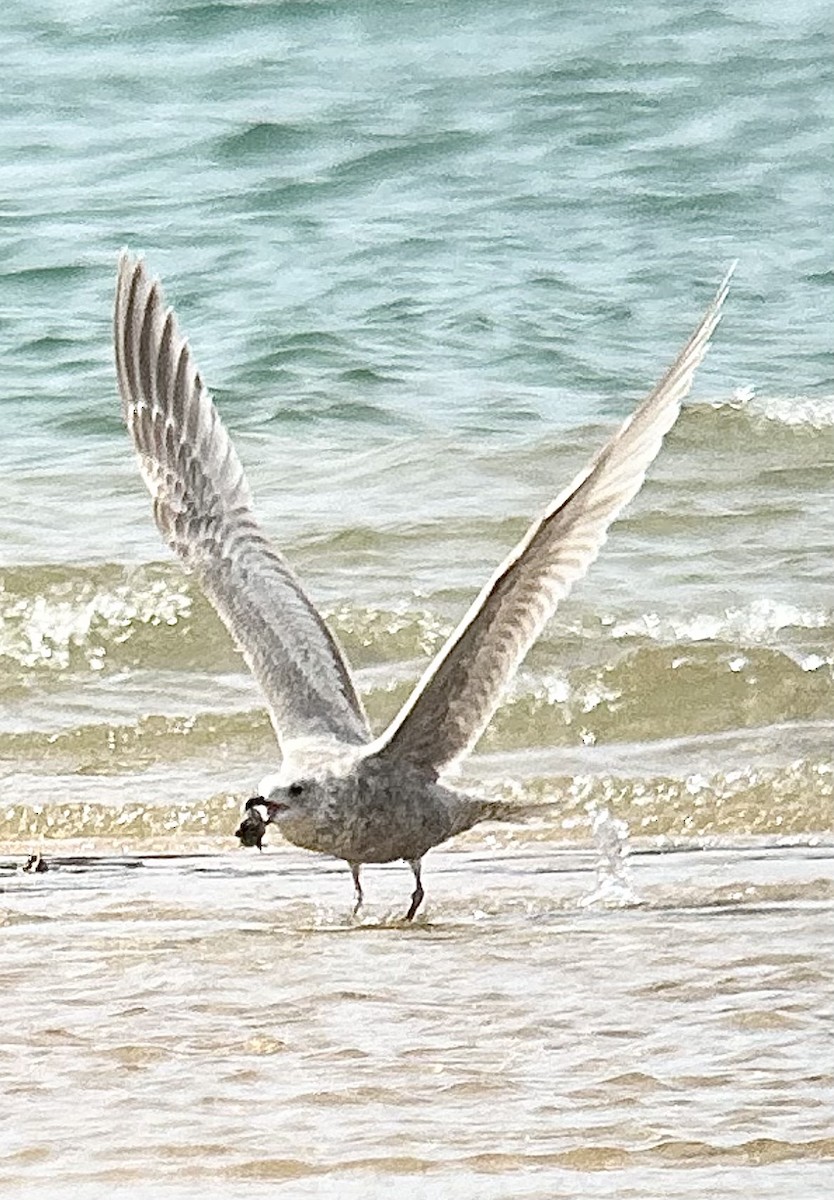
x,y
427,257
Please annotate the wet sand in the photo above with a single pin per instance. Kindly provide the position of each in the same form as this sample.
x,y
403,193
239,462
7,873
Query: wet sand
x,y
214,1023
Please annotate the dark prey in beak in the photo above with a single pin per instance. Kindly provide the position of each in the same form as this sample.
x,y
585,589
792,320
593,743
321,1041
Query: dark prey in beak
x,y
253,826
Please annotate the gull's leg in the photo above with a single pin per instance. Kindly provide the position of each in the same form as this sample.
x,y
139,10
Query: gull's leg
x,y
418,893
357,886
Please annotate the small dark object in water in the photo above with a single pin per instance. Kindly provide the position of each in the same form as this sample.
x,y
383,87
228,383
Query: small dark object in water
x,y
253,826
35,864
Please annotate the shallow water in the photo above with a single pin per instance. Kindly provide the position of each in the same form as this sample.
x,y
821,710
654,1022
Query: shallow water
x,y
427,257
216,1023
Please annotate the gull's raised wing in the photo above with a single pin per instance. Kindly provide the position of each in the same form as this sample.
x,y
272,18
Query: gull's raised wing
x,y
202,506
454,701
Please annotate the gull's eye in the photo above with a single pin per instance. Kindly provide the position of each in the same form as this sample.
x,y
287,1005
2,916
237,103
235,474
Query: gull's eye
x,y
295,789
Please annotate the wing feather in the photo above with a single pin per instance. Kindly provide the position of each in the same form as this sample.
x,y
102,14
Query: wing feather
x,y
454,701
203,508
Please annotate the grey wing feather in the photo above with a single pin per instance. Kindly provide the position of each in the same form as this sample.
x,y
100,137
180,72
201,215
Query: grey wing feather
x,y
454,701
202,507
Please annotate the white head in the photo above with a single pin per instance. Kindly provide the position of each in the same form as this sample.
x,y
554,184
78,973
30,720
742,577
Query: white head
x,y
300,808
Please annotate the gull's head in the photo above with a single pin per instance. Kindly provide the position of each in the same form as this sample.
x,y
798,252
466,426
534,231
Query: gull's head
x,y
286,803
302,806
291,800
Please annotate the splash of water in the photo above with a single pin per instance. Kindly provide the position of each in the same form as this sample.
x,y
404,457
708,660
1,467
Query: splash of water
x,y
613,886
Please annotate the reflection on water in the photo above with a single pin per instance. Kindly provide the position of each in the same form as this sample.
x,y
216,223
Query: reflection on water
x,y
211,1021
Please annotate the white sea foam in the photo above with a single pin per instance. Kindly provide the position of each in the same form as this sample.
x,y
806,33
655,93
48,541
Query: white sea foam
x,y
757,622
49,630
816,412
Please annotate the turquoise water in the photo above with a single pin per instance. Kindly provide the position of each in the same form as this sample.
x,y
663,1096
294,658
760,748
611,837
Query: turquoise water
x,y
427,256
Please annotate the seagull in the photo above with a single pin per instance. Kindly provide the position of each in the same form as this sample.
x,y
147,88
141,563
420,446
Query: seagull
x,y
340,790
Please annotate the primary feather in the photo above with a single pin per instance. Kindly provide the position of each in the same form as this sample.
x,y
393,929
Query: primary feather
x,y
454,701
202,507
